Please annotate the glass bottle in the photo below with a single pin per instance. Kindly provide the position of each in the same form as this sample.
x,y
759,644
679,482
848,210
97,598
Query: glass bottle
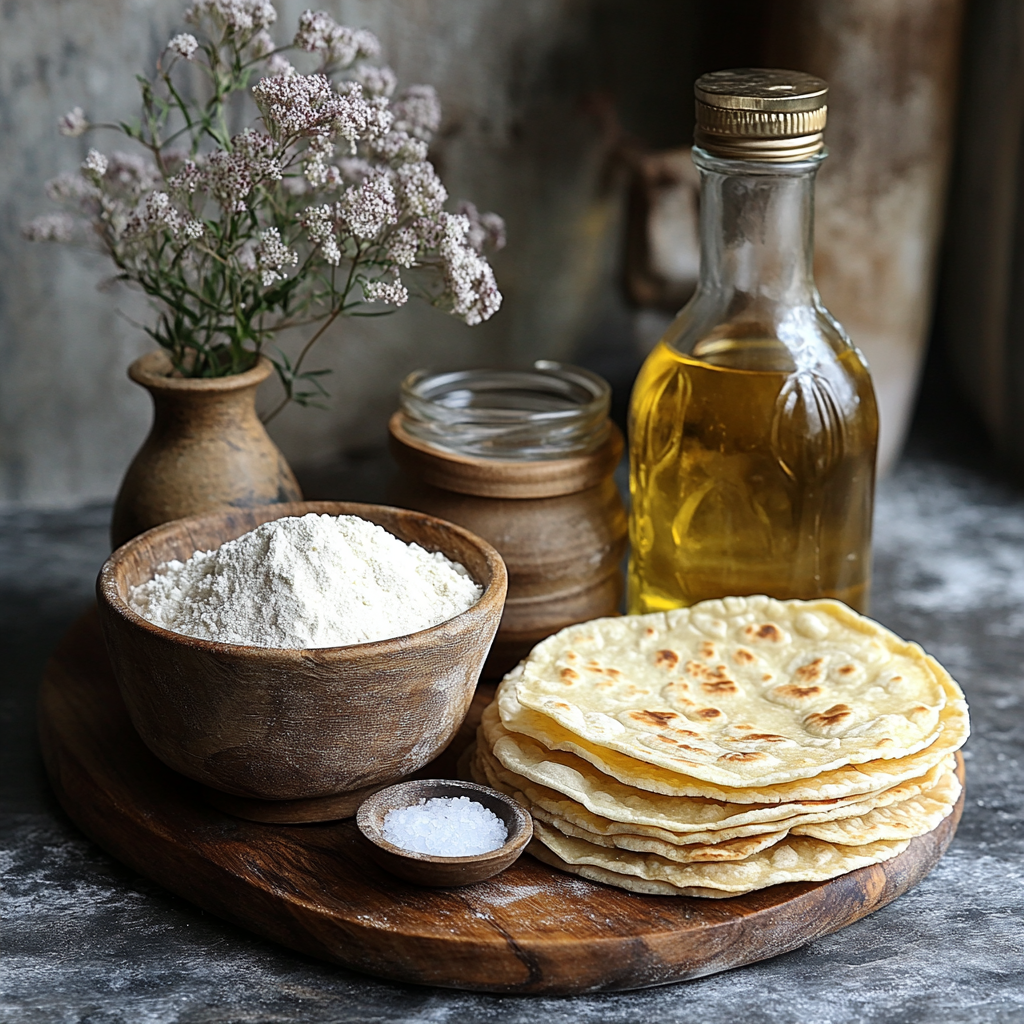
x,y
753,422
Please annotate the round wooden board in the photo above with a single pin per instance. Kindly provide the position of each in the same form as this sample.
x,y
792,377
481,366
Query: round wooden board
x,y
314,888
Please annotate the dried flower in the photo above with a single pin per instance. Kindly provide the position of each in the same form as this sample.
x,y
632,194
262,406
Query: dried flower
x,y
305,105
132,174
187,180
272,256
230,177
421,191
50,227
319,222
156,212
338,177
474,292
95,165
236,17
399,147
278,65
262,44
368,208
418,112
320,33
403,246
71,188
73,123
486,230
184,45
394,293
376,81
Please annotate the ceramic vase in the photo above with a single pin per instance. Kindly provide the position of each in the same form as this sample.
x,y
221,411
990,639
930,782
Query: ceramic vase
x,y
207,450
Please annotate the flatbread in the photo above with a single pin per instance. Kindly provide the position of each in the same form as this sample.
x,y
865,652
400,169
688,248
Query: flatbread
x,y
698,852
794,859
744,691
571,789
629,882
904,820
847,781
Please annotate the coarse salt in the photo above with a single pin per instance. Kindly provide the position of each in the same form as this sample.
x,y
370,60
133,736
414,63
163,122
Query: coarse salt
x,y
445,827
305,582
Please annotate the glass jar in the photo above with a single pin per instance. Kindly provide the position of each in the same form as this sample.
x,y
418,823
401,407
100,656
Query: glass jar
x,y
753,422
550,412
525,459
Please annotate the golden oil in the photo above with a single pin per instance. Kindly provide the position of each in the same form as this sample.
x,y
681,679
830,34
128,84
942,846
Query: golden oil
x,y
750,475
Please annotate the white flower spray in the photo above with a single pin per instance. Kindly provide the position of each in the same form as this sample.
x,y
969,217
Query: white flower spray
x,y
314,212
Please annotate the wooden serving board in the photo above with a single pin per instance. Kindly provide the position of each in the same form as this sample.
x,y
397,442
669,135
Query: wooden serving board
x,y
314,888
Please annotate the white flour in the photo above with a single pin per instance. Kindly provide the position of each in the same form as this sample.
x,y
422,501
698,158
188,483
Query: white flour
x,y
309,581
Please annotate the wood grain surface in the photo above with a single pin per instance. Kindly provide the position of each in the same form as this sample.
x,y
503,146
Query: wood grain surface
x,y
559,524
315,889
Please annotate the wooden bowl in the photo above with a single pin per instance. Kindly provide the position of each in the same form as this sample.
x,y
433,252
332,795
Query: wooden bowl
x,y
425,868
291,725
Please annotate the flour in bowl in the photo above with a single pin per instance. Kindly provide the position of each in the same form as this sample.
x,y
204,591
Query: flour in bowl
x,y
307,581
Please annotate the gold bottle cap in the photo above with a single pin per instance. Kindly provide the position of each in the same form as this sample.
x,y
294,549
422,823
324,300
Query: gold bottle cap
x,y
760,114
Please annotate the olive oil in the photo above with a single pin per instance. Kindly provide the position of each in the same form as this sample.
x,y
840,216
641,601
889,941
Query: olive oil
x,y
750,475
753,423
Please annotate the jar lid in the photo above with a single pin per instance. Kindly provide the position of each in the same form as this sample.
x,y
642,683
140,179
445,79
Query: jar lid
x,y
760,114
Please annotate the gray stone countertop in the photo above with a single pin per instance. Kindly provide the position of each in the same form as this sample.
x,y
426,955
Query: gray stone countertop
x,y
86,940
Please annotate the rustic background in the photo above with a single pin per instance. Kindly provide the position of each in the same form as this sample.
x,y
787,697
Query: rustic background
x,y
551,106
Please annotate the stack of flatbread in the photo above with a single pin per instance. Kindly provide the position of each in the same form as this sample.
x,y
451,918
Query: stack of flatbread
x,y
718,749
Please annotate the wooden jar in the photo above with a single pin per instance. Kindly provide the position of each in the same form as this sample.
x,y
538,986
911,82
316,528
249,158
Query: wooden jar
x,y
559,524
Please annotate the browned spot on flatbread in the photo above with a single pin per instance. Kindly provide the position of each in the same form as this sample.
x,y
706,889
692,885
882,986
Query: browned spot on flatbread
x,y
709,713
720,686
658,718
569,676
811,672
706,673
846,670
769,631
796,692
649,631
885,741
743,656
831,716
765,737
745,755
707,649
666,659
766,677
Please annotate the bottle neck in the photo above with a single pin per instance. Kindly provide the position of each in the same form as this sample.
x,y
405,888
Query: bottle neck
x,y
757,234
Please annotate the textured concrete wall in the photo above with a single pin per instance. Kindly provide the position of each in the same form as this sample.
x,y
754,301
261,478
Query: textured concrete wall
x,y
522,83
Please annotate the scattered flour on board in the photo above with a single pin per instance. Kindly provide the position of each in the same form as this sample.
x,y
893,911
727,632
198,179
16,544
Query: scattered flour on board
x,y
307,581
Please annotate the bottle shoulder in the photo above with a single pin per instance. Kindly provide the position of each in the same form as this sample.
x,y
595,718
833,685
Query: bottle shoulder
x,y
760,335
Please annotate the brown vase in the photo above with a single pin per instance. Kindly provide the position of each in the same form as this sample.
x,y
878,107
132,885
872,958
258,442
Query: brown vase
x,y
207,450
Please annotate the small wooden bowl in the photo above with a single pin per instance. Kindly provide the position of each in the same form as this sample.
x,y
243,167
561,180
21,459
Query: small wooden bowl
x,y
292,725
425,868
